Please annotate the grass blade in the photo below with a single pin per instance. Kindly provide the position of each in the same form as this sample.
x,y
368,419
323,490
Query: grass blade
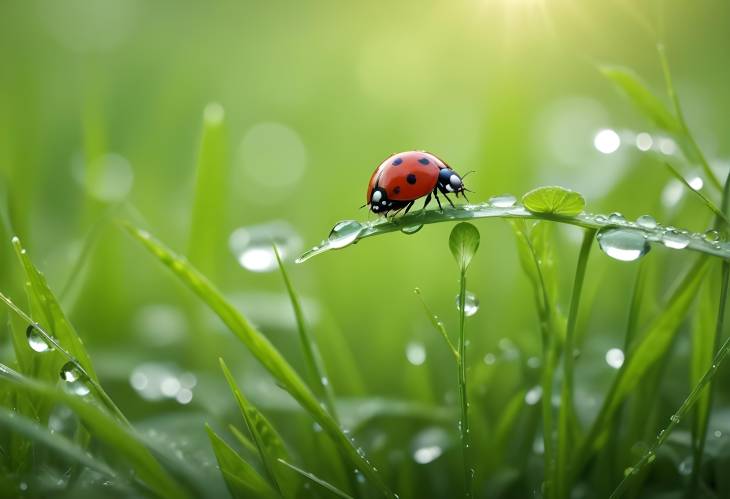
x,y
211,189
322,483
262,349
567,408
124,440
17,423
268,442
647,350
311,352
437,324
242,479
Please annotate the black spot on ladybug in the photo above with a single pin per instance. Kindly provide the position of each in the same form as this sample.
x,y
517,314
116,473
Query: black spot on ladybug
x,y
423,161
396,189
397,161
411,178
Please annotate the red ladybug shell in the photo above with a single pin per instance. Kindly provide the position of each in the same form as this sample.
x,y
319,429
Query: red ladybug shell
x,y
407,176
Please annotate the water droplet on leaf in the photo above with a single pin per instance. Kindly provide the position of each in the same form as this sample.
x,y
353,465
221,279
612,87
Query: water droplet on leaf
x,y
70,372
675,240
344,233
411,229
646,221
623,244
503,201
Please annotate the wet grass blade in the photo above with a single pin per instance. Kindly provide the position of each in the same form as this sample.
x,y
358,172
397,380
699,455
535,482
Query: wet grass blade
x,y
262,349
211,189
243,440
317,480
312,355
14,422
648,349
567,408
241,478
707,201
269,444
122,439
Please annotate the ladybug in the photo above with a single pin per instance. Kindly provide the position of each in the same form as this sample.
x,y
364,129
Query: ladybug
x,y
407,176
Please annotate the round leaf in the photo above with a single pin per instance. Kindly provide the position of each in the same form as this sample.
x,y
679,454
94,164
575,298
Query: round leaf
x,y
554,199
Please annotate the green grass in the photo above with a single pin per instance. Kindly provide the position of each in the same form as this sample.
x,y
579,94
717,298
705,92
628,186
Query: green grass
x,y
315,397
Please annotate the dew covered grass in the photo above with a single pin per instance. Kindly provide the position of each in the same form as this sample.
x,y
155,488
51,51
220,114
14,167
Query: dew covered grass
x,y
171,326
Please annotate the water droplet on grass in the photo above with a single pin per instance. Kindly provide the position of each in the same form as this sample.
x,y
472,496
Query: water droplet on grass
x,y
712,236
471,304
70,372
411,229
344,233
646,221
615,358
629,471
623,244
77,387
416,353
616,218
675,240
674,418
651,457
503,201
36,340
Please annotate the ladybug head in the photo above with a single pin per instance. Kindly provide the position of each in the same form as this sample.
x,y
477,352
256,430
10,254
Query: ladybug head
x,y
379,202
450,181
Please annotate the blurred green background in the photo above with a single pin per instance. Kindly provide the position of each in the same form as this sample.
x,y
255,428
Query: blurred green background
x,y
101,112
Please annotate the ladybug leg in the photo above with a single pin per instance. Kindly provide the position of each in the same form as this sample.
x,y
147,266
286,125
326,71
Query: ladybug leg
x,y
443,191
428,200
436,195
408,207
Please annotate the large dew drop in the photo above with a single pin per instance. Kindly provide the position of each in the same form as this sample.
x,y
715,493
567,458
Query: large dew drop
x,y
623,244
411,229
646,221
471,304
503,201
344,233
36,340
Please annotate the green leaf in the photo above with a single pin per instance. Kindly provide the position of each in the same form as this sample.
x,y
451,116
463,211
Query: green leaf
x,y
322,483
643,98
119,437
262,349
207,234
242,479
268,442
463,243
554,199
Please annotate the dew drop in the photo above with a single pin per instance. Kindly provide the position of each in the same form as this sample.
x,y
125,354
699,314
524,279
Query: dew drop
x,y
674,419
70,372
416,353
77,387
411,229
471,304
646,221
651,457
623,244
344,233
615,358
712,236
503,201
36,340
629,471
675,240
616,218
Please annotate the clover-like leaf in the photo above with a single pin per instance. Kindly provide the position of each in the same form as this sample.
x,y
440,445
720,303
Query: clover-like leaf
x,y
554,199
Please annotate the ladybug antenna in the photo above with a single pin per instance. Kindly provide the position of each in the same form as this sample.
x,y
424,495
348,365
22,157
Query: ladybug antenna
x,y
467,173
363,206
